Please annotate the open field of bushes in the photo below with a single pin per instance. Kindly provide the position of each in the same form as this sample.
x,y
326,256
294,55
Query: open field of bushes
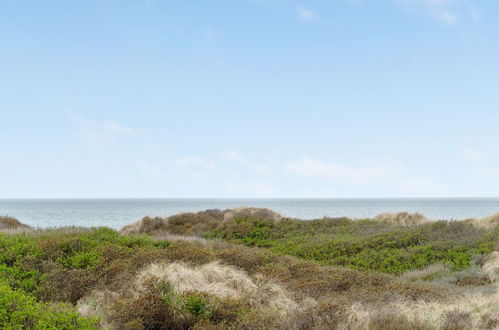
x,y
252,269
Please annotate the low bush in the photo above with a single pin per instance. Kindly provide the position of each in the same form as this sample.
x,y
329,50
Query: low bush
x,y
21,311
251,272
364,245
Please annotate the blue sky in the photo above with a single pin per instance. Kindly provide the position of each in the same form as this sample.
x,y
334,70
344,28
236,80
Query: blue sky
x,y
249,98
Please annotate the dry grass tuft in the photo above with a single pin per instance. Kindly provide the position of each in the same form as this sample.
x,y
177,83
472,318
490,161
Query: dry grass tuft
x,y
222,293
165,236
491,266
255,212
95,304
390,319
425,273
403,218
487,222
143,226
12,224
473,308
43,231
213,278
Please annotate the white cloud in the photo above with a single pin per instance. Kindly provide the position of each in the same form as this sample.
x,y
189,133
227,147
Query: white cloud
x,y
249,188
306,14
386,175
446,16
472,154
355,2
442,10
487,174
262,169
234,156
149,169
210,35
340,173
195,161
116,128
236,176
449,12
95,134
198,169
475,13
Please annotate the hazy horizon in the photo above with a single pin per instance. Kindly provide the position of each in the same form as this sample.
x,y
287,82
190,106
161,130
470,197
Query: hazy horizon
x,y
120,212
255,198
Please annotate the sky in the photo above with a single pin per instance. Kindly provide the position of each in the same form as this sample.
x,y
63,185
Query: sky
x,y
249,98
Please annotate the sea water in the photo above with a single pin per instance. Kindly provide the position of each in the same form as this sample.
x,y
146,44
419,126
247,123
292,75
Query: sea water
x,y
116,213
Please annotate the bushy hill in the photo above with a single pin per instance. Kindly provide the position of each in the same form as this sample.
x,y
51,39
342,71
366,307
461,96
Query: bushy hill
x,y
240,269
390,243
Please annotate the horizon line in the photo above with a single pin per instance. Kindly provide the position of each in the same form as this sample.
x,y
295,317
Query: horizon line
x,y
254,198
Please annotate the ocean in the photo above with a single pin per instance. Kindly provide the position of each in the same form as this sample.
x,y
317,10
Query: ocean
x,y
116,213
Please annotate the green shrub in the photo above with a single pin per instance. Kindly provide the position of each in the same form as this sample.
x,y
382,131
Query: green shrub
x,y
20,311
197,306
335,262
364,244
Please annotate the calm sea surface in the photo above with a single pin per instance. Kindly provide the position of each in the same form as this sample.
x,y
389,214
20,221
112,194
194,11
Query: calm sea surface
x,y
116,213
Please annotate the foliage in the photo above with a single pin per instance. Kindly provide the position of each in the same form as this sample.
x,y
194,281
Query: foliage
x,y
307,274
363,244
21,311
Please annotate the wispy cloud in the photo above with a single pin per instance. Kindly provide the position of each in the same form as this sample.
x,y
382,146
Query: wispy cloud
x,y
149,169
306,14
262,169
210,35
375,174
234,156
198,169
339,173
196,161
116,128
472,154
248,188
228,173
96,134
449,12
475,13
258,167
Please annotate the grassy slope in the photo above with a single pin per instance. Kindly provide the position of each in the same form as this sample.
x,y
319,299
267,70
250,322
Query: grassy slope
x,y
365,245
51,271
358,244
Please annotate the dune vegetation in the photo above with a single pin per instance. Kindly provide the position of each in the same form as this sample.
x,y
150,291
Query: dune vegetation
x,y
252,269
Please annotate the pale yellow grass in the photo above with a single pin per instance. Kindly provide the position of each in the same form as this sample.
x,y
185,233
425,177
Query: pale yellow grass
x,y
419,274
213,278
221,281
96,304
403,218
491,267
487,222
165,236
480,306
252,211
143,225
